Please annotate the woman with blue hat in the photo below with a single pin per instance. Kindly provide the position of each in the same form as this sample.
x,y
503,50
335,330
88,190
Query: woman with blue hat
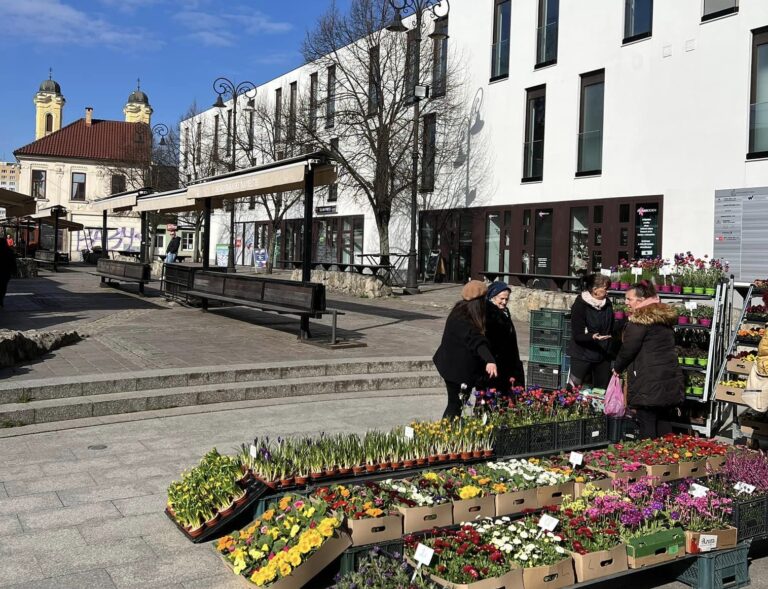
x,y
500,331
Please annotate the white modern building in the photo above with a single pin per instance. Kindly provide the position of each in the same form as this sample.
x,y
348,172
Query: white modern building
x,y
608,126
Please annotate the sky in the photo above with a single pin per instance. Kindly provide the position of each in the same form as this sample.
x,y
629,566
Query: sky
x,y
98,49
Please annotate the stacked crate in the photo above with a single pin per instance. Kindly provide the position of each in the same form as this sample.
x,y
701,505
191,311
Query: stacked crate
x,y
547,360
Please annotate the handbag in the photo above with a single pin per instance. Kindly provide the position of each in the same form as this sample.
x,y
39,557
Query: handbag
x,y
615,406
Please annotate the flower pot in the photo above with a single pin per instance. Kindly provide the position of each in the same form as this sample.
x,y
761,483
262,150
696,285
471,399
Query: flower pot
x,y
315,475
465,455
688,390
709,291
344,470
699,290
301,480
682,320
329,472
242,499
371,467
679,359
442,457
687,290
358,469
209,523
421,461
689,361
195,532
487,453
270,484
286,482
431,459
702,361
615,285
705,322
618,314
453,456
408,463
226,512
395,464
665,288
624,286
697,391
477,454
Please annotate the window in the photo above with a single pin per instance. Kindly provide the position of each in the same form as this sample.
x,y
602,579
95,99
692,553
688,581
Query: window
x,y
533,148
717,8
292,112
374,81
440,58
78,186
591,124
330,105
199,144
333,189
230,136
160,239
500,48
215,154
278,114
250,130
428,142
578,260
38,183
186,147
758,115
251,202
411,64
638,19
118,183
49,123
187,240
313,102
546,35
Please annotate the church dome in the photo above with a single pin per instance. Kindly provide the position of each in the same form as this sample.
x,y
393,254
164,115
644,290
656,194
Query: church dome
x,y
50,86
138,97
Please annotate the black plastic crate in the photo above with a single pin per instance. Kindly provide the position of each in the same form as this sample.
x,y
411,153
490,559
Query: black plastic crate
x,y
351,557
569,434
542,437
750,517
595,430
622,428
546,337
546,376
726,569
511,441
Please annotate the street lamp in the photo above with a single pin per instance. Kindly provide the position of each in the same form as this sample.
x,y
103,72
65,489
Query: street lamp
x,y
474,126
419,92
225,87
161,131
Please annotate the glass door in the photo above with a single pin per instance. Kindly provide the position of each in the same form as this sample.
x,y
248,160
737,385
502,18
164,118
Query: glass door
x,y
578,256
543,241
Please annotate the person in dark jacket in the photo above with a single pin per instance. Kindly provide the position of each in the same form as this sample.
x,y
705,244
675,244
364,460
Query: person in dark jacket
x,y
7,268
464,354
502,336
172,250
591,332
656,384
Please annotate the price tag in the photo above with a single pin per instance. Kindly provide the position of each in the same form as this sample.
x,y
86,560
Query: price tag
x,y
595,433
707,542
548,523
254,451
691,305
576,458
637,271
698,490
742,487
409,433
485,418
605,271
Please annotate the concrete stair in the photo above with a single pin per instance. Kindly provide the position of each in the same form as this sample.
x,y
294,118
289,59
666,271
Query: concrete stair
x,y
43,401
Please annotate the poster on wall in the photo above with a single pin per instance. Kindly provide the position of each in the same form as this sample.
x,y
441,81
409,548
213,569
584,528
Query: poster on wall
x,y
222,253
647,231
260,258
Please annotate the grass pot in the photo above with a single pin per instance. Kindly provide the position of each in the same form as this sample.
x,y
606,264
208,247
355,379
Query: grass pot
x,y
705,322
697,391
242,499
665,288
656,548
195,532
227,511
689,361
702,361
687,290
677,289
624,285
709,291
698,542
699,290
615,285
679,359
594,565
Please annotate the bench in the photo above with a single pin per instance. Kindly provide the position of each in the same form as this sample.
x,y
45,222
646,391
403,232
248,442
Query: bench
x,y
285,297
178,279
45,257
122,271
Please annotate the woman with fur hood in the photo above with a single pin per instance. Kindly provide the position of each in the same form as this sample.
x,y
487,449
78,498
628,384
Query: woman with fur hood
x,y
656,384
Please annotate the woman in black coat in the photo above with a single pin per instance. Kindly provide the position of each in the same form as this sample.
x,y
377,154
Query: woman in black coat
x,y
7,268
655,381
591,332
464,354
502,336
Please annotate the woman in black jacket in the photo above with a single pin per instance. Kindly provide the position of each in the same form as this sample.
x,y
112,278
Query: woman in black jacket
x,y
591,331
464,354
502,336
655,380
7,268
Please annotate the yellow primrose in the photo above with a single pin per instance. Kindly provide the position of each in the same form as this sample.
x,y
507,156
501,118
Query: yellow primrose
x,y
294,530
469,492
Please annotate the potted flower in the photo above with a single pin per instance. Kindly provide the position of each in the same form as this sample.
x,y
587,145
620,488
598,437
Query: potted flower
x,y
689,356
619,311
695,385
704,314
423,502
704,516
380,571
684,315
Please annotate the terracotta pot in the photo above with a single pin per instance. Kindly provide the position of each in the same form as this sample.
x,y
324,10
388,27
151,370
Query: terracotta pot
x,y
358,469
209,523
171,511
270,484
345,470
301,480
431,459
466,455
421,461
329,472
442,457
385,465
453,456
487,453
315,475
477,453
408,463
371,467
195,532
286,482
240,500
396,464
228,511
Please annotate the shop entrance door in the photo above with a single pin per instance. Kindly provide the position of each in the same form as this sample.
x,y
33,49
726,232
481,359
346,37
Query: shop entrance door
x,y
542,236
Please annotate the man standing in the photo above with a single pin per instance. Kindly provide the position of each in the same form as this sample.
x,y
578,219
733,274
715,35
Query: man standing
x,y
173,247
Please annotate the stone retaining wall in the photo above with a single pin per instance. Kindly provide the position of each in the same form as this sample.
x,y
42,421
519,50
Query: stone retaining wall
x,y
22,346
357,285
524,300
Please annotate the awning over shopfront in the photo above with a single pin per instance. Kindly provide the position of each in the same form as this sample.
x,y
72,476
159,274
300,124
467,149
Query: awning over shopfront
x,y
125,201
173,201
47,219
16,204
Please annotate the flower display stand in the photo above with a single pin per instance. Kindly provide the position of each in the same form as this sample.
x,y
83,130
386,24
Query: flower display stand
x,y
418,519
550,577
603,563
375,530
701,542
656,548
718,570
467,510
551,437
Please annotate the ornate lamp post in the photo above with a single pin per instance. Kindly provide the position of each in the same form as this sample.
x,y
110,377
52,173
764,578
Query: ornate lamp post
x,y
225,87
419,92
161,130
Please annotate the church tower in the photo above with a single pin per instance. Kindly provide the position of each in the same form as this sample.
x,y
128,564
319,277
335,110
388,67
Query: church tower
x,y
49,105
137,109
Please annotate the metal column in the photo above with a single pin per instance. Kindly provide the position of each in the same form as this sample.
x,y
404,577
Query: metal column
x,y
55,239
103,237
306,259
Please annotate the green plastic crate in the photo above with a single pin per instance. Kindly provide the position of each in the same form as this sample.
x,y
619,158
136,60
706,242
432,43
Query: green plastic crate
x,y
673,539
545,355
548,318
546,337
725,569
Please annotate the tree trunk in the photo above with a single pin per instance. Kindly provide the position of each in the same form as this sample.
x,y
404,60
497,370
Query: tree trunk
x,y
382,224
271,250
198,246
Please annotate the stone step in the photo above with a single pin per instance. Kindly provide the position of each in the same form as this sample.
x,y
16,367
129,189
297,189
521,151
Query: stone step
x,y
84,406
24,391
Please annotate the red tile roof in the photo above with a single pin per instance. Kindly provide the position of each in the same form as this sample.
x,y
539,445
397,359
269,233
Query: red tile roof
x,y
115,141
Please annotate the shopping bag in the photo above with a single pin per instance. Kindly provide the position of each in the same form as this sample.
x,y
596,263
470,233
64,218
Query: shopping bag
x,y
614,398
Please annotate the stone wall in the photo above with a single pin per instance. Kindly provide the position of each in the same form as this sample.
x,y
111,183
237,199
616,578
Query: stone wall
x,y
22,346
524,300
354,284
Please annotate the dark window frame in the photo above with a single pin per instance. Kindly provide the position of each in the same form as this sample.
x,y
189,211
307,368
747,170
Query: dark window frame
x,y
37,192
718,13
77,188
251,125
333,189
117,183
531,94
330,104
639,36
590,79
48,123
313,102
759,38
495,40
186,146
278,114
543,15
199,144
230,139
292,97
215,154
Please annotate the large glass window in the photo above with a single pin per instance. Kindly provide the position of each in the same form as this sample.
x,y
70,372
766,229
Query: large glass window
x,y
758,119
374,81
440,57
533,148
38,183
78,186
118,183
428,143
543,241
330,103
546,35
292,112
278,114
638,19
718,8
500,47
313,102
215,154
492,241
591,124
578,260
333,189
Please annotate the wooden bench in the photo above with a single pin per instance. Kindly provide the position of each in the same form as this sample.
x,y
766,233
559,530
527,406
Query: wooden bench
x,y
122,271
285,297
178,279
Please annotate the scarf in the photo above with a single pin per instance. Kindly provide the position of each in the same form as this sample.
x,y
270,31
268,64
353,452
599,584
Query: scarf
x,y
592,301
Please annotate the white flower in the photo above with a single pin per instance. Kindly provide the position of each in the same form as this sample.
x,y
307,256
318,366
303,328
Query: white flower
x,y
560,549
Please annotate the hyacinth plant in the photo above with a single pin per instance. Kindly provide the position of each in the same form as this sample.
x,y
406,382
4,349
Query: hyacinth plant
x,y
742,466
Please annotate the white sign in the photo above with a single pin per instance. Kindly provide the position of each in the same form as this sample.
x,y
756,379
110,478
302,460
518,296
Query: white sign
x,y
595,433
423,554
691,305
698,490
409,433
665,270
576,458
254,451
605,271
742,487
549,523
637,271
707,542
485,418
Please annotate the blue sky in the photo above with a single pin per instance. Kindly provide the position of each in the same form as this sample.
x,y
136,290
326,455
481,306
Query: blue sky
x,y
98,48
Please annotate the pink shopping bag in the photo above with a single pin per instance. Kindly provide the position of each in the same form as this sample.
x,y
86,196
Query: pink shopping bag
x,y
614,398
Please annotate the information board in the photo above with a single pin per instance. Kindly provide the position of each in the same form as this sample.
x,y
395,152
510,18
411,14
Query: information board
x,y
740,237
647,231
